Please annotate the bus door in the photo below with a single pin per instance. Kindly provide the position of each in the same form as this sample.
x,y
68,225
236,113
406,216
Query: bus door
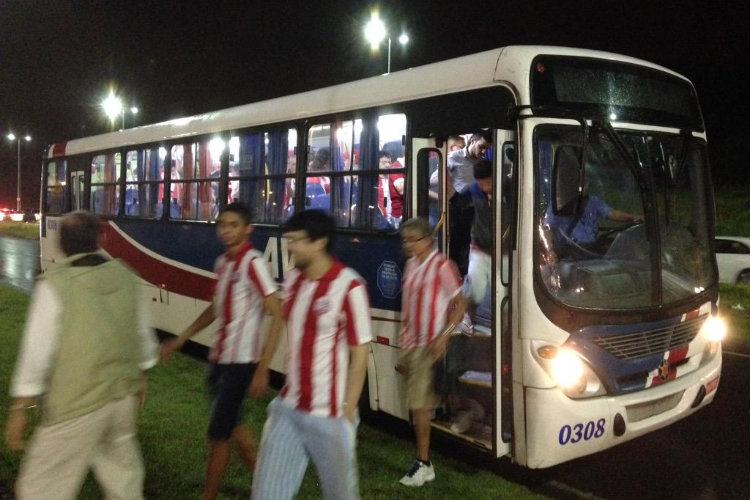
x,y
77,190
468,379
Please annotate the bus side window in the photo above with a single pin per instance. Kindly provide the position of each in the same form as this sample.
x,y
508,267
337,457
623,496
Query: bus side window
x,y
355,171
55,187
262,167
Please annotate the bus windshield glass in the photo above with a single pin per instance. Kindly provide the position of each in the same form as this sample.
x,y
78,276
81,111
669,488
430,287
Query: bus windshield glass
x,y
598,245
616,90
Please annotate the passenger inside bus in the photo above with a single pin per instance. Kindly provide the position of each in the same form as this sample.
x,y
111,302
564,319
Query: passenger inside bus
x,y
396,183
576,234
317,188
460,161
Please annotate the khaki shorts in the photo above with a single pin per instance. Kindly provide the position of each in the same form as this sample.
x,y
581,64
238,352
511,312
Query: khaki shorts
x,y
418,365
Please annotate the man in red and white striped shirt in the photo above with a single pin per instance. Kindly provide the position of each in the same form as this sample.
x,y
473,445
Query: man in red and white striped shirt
x,y
327,310
432,305
240,354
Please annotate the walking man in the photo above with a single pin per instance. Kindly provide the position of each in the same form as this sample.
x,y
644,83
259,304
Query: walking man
x,y
85,349
432,306
327,311
240,355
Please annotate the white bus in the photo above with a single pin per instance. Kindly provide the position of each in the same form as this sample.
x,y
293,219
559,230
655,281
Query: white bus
x,y
577,348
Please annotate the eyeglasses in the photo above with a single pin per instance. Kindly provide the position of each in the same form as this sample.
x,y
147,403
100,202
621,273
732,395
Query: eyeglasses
x,y
405,241
294,241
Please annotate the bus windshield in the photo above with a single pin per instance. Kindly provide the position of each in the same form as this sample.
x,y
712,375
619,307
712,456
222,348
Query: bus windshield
x,y
623,217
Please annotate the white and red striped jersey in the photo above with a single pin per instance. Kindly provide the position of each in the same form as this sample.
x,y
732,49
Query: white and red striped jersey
x,y
242,284
324,318
428,289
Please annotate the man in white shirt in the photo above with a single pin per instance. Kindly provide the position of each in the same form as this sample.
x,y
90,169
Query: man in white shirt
x,y
84,352
461,162
327,310
240,354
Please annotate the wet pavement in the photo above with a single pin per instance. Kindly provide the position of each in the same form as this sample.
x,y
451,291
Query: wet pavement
x,y
19,262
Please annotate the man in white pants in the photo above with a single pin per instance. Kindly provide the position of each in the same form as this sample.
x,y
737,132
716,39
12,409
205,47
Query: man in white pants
x,y
327,310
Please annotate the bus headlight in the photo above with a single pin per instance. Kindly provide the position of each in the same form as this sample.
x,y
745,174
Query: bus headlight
x,y
715,329
571,373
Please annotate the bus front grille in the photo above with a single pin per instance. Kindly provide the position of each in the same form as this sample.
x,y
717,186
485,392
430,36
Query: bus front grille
x,y
648,342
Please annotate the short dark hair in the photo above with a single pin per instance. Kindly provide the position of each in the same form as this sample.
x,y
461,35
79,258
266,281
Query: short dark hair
x,y
482,169
383,153
238,208
79,233
316,223
481,134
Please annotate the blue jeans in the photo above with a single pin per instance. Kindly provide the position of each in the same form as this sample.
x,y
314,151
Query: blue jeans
x,y
290,439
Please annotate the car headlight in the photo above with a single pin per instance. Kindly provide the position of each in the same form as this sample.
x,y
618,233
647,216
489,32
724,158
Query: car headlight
x,y
570,372
714,329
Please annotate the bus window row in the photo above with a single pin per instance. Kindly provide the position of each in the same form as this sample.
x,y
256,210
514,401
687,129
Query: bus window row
x,y
354,171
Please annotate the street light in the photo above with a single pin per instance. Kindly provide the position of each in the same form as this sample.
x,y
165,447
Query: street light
x,y
375,32
27,138
113,107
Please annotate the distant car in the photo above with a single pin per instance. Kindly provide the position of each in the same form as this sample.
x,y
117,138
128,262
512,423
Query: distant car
x,y
16,216
733,258
4,213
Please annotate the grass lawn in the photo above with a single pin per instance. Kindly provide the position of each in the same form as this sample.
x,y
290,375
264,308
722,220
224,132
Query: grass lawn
x,y
734,306
172,430
732,210
25,230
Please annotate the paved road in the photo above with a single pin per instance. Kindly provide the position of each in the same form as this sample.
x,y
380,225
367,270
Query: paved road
x,y
19,262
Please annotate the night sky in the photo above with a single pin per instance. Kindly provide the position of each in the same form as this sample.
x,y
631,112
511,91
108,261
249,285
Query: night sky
x,y
58,59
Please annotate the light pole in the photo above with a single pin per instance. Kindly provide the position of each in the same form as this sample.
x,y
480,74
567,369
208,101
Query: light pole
x,y
27,138
375,31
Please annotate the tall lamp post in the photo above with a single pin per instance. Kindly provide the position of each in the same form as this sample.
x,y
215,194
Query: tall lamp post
x,y
27,138
375,32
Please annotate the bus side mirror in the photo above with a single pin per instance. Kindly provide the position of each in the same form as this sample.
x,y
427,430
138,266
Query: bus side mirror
x,y
567,180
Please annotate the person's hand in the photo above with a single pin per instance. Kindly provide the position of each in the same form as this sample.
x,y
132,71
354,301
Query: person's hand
x,y
142,388
14,429
350,413
259,384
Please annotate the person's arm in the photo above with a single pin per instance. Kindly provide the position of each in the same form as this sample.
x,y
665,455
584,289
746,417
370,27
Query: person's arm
x,y
170,346
457,307
398,184
259,384
38,345
621,216
148,344
359,335
355,379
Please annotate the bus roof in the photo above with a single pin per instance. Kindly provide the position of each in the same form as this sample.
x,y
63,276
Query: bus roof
x,y
507,64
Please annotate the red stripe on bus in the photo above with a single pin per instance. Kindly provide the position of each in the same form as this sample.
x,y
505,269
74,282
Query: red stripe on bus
x,y
58,149
155,271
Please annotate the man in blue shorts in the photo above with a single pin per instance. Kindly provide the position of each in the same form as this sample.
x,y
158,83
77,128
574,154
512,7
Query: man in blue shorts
x,y
240,355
